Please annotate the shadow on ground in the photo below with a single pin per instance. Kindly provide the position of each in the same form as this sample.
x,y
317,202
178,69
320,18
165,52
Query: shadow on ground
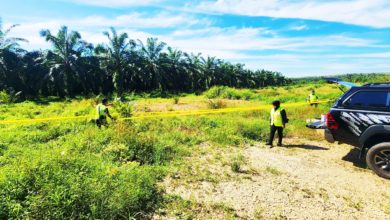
x,y
353,157
305,146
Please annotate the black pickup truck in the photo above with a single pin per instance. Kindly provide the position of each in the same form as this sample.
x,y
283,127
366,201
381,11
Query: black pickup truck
x,y
361,117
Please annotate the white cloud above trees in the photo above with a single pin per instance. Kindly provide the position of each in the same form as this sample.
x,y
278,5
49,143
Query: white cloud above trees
x,y
372,13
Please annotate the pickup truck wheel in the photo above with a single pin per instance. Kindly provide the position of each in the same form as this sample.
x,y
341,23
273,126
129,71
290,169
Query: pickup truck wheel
x,y
378,159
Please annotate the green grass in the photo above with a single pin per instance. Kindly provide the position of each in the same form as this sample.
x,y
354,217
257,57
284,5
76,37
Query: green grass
x,y
72,169
292,93
179,208
236,163
273,171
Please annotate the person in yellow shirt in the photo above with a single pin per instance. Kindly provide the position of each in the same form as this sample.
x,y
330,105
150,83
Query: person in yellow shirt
x,y
103,113
278,123
313,99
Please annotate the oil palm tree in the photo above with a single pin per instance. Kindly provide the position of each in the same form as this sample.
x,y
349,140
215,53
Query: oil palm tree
x,y
209,68
9,53
171,64
151,52
9,43
194,71
115,56
64,60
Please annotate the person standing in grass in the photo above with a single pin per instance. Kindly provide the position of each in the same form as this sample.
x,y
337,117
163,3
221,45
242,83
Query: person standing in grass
x,y
103,113
278,123
313,99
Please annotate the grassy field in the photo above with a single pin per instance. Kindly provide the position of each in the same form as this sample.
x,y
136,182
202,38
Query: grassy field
x,y
72,169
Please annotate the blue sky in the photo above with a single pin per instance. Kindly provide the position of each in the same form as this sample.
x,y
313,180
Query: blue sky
x,y
296,38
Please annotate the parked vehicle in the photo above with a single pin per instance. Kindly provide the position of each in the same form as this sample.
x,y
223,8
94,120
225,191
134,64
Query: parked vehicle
x,y
361,118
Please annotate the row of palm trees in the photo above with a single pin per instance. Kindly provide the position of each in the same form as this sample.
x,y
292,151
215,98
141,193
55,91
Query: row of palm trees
x,y
75,67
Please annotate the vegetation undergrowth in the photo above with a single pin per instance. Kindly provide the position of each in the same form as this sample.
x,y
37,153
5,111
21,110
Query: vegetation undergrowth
x,y
72,169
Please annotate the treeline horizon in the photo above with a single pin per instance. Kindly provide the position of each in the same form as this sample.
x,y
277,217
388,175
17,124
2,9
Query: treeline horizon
x,y
75,67
349,77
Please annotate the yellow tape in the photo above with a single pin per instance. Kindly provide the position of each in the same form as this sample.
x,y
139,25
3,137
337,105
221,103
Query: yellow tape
x,y
159,114
32,120
218,111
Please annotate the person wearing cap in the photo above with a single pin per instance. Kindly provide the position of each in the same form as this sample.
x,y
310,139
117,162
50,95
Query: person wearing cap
x,y
102,113
278,123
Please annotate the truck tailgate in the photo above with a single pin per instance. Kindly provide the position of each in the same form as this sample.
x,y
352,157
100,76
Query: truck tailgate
x,y
317,125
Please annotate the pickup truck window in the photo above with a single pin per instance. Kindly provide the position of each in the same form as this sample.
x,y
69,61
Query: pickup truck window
x,y
368,99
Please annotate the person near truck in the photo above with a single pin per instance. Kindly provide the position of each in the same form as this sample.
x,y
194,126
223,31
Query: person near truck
x,y
103,113
278,123
313,99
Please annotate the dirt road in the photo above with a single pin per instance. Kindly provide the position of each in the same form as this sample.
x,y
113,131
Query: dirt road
x,y
302,180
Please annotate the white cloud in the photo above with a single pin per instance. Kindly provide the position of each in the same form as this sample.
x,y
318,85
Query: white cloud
x,y
91,27
138,20
298,66
115,3
374,13
299,27
257,39
296,55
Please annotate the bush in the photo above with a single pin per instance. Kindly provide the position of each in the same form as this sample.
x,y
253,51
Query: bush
x,y
9,97
229,93
142,150
236,163
216,104
130,145
235,166
215,92
125,109
176,100
252,130
3,148
77,188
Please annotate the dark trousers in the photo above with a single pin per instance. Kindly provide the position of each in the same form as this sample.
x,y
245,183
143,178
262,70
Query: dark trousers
x,y
102,120
272,135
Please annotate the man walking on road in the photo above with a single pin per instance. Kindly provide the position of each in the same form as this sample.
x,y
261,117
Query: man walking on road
x,y
278,123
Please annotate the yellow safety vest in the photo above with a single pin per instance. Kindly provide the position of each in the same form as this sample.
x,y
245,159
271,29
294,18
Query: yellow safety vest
x,y
101,110
313,98
276,117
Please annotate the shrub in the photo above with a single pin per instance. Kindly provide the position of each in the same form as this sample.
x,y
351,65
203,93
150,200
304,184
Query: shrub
x,y
236,163
229,93
118,152
9,97
142,149
216,104
77,188
125,109
176,100
3,148
215,92
252,130
247,94
146,150
273,171
235,166
128,145
225,136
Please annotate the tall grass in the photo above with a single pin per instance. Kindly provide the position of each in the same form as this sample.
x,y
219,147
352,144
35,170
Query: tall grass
x,y
229,93
73,170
